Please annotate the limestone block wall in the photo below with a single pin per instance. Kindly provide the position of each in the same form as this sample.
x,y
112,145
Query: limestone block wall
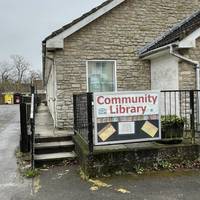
x,y
117,35
187,72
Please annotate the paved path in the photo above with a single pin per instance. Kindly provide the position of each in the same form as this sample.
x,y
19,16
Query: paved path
x,y
44,126
12,187
65,183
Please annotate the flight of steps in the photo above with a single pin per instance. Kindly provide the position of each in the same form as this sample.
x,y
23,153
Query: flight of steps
x,y
53,149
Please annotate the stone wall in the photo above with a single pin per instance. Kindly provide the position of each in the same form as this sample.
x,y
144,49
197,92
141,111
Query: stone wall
x,y
187,72
125,158
117,35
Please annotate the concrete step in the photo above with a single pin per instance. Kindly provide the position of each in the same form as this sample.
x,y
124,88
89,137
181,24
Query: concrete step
x,y
55,156
53,144
54,147
41,139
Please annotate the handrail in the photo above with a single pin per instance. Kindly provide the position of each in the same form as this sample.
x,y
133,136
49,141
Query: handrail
x,y
32,107
32,119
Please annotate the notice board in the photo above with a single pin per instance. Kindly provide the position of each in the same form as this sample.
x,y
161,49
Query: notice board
x,y
124,117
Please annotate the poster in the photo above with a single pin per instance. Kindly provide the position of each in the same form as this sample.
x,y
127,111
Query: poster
x,y
124,117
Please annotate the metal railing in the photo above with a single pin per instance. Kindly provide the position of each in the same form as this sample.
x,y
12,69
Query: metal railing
x,y
83,117
24,123
175,104
28,107
32,125
182,105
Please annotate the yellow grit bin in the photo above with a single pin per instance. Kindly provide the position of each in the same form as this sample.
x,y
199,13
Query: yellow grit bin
x,y
8,98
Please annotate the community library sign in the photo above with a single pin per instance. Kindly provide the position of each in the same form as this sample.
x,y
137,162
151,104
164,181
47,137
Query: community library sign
x,y
124,117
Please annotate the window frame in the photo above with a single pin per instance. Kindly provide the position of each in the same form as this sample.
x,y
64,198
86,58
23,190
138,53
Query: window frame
x,y
115,72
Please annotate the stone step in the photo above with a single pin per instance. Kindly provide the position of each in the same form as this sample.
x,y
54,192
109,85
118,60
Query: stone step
x,y
54,144
54,147
43,139
55,156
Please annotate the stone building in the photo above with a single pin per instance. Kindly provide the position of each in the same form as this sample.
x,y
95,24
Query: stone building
x,y
110,48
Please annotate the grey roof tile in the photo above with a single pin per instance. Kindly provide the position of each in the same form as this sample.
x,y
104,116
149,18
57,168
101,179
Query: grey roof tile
x,y
177,33
57,32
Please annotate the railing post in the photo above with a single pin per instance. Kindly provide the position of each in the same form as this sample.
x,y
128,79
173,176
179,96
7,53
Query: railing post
x,y
75,113
90,122
192,123
32,119
24,139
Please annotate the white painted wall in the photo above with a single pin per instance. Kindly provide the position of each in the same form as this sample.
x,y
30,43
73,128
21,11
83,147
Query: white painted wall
x,y
51,93
165,76
190,40
164,73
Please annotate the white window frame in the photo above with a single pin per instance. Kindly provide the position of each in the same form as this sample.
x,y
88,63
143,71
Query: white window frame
x,y
115,72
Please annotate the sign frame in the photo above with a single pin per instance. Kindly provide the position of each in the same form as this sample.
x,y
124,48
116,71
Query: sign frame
x,y
95,132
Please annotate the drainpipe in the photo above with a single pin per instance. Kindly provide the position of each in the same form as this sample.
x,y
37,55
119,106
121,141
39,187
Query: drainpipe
x,y
197,76
197,65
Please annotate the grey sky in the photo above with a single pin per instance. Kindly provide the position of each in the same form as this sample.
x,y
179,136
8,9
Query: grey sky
x,y
25,23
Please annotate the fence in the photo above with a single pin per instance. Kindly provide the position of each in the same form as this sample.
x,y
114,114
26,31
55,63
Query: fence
x,y
182,104
176,105
25,104
28,107
83,117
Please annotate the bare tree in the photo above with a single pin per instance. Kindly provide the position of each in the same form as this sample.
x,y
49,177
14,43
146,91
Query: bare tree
x,y
21,66
15,75
6,71
35,74
32,75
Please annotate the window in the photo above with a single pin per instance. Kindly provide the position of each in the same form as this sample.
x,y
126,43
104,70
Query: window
x,y
101,76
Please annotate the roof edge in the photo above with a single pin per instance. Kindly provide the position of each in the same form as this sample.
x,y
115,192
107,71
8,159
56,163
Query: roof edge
x,y
84,19
178,26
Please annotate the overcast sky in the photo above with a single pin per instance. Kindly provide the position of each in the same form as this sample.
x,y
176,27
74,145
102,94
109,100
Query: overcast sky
x,y
25,23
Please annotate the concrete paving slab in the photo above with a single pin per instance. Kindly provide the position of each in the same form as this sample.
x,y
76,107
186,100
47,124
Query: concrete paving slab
x,y
44,125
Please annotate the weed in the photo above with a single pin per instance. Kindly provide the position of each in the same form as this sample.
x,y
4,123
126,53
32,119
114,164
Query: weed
x,y
31,173
164,164
83,175
139,169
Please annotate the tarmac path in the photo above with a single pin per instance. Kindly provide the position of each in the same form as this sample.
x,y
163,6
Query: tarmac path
x,y
12,186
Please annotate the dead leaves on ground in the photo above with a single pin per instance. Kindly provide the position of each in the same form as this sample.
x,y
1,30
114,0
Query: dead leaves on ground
x,y
97,184
122,190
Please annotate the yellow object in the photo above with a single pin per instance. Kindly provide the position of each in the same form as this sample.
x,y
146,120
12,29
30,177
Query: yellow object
x,y
8,98
98,183
149,128
106,132
124,191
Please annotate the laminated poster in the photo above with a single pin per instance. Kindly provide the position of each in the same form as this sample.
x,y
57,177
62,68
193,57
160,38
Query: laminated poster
x,y
106,132
149,128
126,128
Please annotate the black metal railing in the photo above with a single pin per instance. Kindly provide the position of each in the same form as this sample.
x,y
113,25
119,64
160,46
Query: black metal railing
x,y
24,121
25,104
178,104
32,124
83,117
182,104
28,107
